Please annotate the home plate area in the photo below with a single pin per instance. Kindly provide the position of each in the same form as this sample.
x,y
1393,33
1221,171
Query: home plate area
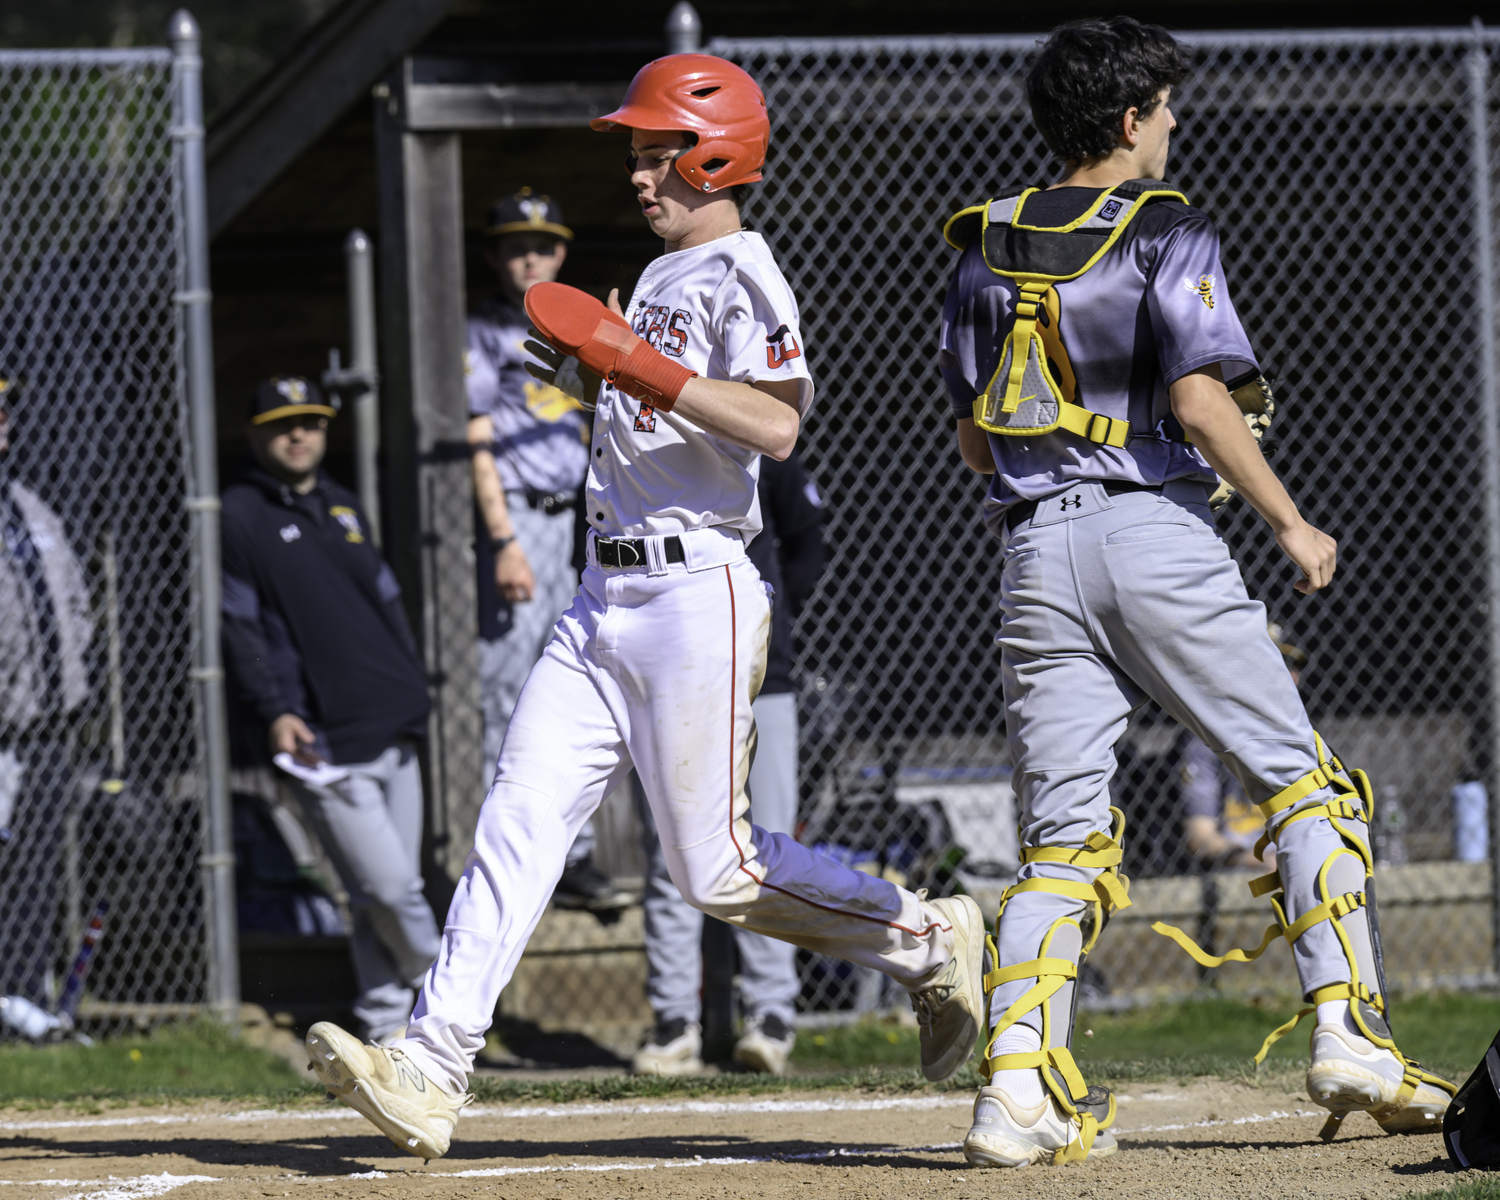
x,y
1206,1138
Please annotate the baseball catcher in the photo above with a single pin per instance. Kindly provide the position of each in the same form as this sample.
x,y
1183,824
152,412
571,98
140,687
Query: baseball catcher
x,y
1086,339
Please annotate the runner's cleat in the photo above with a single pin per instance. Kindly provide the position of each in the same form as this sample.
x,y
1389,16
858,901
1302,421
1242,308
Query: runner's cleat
x,y
383,1086
950,1011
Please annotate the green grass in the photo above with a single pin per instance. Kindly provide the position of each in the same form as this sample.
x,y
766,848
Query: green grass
x,y
1485,1188
187,1061
1211,1036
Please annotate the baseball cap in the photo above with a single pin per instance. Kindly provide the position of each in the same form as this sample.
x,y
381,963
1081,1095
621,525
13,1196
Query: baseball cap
x,y
288,396
526,213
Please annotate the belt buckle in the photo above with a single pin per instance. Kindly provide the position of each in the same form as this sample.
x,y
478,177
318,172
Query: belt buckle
x,y
619,548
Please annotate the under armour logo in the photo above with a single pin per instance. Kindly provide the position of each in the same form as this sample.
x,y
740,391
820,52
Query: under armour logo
x,y
1075,501
290,533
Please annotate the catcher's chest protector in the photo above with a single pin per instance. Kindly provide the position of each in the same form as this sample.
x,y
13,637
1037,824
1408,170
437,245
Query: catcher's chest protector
x,y
1033,390
1471,1126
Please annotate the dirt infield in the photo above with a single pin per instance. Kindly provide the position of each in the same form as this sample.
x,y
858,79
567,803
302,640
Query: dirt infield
x,y
1207,1139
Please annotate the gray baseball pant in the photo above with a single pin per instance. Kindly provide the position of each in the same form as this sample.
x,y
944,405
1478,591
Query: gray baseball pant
x,y
505,662
1106,600
370,823
674,928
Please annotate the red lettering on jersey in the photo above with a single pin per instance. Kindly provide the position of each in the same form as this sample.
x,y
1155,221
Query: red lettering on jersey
x,y
781,347
645,420
677,334
653,334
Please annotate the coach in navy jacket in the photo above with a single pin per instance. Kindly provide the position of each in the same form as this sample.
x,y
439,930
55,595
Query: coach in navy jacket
x,y
326,676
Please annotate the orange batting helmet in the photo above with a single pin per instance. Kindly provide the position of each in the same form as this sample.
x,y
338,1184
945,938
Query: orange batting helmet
x,y
708,97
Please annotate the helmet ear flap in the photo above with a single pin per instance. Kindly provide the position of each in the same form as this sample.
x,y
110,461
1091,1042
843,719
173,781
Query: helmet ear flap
x,y
710,165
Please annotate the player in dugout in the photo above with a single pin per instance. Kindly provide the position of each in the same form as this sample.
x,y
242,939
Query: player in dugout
x,y
660,657
1098,372
530,444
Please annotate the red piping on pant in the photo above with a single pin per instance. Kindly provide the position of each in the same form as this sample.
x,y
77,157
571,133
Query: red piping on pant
x,y
734,674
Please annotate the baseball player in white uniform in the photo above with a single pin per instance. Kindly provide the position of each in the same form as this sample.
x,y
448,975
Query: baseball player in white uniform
x,y
657,662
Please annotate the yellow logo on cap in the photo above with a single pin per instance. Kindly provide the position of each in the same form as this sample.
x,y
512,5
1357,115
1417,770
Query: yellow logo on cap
x,y
294,390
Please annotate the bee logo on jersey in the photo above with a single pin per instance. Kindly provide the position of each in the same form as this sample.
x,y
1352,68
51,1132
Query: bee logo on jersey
x,y
1203,288
349,519
781,347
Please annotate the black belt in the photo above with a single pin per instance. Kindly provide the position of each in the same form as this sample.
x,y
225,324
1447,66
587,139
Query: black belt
x,y
631,552
1026,509
551,503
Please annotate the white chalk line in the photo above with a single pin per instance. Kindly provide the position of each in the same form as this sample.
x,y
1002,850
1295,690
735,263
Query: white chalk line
x,y
146,1186
1252,1120
609,1108
143,1186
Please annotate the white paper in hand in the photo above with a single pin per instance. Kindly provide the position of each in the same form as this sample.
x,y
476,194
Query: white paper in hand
x,y
322,775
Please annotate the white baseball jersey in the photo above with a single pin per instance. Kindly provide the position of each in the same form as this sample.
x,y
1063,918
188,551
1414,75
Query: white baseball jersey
x,y
724,310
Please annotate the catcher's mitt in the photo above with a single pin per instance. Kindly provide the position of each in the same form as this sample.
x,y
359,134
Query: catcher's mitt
x,y
1252,392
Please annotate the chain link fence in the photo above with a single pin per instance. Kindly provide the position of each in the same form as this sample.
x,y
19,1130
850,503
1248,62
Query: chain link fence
x,y
100,786
1346,174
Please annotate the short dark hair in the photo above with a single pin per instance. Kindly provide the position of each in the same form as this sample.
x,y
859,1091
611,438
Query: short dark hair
x,y
1088,74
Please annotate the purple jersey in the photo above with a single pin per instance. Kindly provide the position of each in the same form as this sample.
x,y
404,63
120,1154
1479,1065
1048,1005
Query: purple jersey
x,y
1152,310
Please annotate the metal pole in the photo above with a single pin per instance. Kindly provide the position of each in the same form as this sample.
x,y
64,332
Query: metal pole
x,y
217,861
684,29
1489,419
360,271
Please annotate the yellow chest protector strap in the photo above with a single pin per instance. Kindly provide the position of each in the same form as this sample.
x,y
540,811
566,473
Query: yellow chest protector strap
x,y
1031,391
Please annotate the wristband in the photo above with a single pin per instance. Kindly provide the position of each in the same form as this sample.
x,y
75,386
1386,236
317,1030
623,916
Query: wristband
x,y
499,544
578,325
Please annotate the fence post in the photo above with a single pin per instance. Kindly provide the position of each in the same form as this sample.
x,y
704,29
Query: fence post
x,y
1489,420
360,271
217,860
684,29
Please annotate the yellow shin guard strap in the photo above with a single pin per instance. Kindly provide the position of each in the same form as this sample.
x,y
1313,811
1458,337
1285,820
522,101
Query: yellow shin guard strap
x,y
1339,906
1280,1032
1054,1062
1203,958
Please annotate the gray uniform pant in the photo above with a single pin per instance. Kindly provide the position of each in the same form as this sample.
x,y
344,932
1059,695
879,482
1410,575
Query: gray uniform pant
x,y
370,824
674,928
1104,602
505,662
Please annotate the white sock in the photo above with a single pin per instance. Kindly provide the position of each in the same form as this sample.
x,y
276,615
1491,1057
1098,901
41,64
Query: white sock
x,y
1336,1012
1024,1086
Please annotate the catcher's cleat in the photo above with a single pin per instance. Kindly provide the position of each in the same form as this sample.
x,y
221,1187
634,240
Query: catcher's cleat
x,y
950,1011
1352,1074
1005,1134
674,1048
384,1087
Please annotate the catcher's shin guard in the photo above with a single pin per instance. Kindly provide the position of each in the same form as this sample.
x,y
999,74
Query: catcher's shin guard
x,y
1346,900
1055,969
